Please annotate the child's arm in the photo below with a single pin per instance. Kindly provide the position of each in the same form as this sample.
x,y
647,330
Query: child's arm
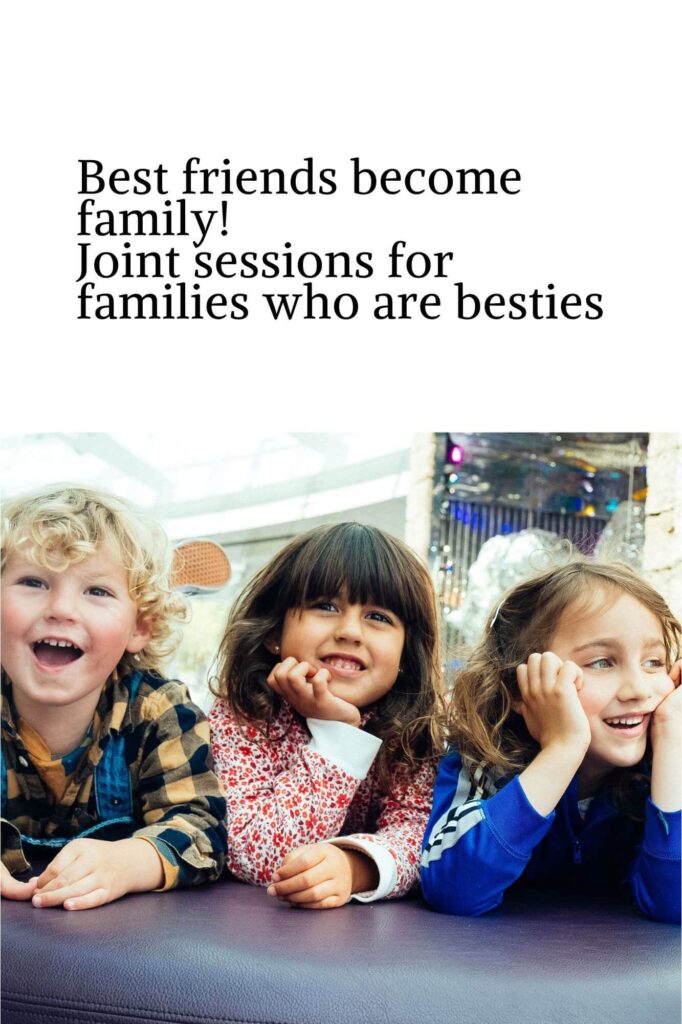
x,y
180,801
554,717
655,873
380,865
475,849
286,789
87,873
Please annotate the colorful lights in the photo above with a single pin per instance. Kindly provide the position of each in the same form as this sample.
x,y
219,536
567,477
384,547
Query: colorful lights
x,y
455,455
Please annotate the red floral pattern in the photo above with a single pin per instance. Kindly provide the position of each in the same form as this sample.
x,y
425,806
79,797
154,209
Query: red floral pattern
x,y
281,795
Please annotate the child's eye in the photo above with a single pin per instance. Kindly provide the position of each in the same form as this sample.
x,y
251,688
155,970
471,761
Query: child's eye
x,y
599,663
99,592
325,606
31,581
378,616
654,663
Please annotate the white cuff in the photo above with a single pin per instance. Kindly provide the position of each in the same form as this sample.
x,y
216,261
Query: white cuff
x,y
388,872
348,747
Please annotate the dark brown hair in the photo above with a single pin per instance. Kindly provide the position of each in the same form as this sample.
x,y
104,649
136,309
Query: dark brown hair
x,y
370,566
482,724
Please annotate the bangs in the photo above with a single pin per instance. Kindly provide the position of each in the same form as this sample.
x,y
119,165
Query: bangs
x,y
360,561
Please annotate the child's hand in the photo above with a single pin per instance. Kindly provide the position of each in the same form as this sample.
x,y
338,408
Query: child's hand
x,y
307,690
12,889
89,872
667,718
322,876
666,725
549,701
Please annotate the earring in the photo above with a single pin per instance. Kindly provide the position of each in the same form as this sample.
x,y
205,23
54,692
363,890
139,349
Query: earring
x,y
276,648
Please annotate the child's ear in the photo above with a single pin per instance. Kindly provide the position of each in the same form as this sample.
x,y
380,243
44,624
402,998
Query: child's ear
x,y
272,645
139,636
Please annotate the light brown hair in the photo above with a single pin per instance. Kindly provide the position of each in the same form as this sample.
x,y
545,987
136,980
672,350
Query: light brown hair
x,y
482,723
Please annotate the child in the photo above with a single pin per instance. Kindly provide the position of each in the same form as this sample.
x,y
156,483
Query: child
x,y
102,759
565,766
324,734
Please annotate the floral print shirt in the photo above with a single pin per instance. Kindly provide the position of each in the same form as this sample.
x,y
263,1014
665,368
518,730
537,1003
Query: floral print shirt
x,y
301,783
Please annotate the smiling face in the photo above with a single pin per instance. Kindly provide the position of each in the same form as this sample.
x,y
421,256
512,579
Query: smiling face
x,y
360,645
619,646
64,633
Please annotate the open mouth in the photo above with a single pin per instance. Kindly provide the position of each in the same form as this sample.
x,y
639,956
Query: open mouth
x,y
344,663
55,653
626,722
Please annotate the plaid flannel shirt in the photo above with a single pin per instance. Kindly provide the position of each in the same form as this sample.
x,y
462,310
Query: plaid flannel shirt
x,y
177,800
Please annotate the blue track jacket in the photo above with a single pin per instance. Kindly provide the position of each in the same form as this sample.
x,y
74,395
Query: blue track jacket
x,y
484,834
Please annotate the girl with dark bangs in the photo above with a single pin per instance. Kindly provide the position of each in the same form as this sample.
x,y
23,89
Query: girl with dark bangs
x,y
564,765
325,731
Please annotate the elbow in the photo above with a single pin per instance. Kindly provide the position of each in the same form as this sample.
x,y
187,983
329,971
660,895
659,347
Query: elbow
x,y
241,866
660,904
462,900
248,861
665,913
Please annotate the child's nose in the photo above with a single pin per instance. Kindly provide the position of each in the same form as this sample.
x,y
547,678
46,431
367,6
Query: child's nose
x,y
61,605
635,684
349,626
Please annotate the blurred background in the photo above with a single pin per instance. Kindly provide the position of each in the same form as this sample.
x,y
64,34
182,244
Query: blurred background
x,y
483,509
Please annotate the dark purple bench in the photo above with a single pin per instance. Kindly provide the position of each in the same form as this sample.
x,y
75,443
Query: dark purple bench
x,y
228,953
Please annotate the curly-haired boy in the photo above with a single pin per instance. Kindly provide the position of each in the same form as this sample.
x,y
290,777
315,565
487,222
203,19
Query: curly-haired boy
x,y
104,762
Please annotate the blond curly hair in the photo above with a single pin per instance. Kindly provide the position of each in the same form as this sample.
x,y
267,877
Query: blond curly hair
x,y
63,524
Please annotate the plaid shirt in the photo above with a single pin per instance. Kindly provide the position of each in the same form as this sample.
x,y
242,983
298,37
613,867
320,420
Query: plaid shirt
x,y
177,800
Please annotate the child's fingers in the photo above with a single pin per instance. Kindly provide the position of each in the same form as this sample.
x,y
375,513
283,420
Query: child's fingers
x,y
60,863
320,683
314,893
299,882
298,675
303,859
550,669
571,675
291,679
70,874
13,889
92,899
281,670
289,682
539,675
56,897
298,689
529,677
327,904
534,682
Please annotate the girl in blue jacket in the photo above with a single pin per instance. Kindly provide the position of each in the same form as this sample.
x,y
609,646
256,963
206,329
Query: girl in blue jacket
x,y
564,767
